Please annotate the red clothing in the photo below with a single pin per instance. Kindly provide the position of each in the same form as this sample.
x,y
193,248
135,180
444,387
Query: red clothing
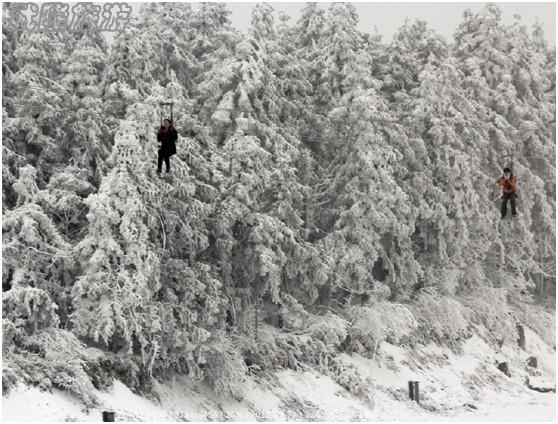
x,y
167,137
509,185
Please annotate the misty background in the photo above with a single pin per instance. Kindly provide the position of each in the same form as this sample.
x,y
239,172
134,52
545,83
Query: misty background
x,y
386,18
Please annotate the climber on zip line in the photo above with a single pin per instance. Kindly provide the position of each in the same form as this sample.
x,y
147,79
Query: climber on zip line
x,y
508,186
167,136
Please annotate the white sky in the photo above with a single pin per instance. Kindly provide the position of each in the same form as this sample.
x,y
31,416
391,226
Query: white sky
x,y
443,17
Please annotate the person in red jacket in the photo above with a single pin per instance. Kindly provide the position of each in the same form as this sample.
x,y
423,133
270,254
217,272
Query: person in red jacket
x,y
508,185
167,136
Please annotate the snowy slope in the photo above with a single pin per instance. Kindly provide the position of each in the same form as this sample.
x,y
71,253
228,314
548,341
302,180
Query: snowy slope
x,y
301,396
453,387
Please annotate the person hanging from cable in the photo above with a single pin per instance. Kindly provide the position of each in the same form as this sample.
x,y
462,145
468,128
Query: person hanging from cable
x,y
167,136
508,186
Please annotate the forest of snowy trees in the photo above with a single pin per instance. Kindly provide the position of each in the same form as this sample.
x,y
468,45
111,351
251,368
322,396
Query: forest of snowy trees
x,y
331,191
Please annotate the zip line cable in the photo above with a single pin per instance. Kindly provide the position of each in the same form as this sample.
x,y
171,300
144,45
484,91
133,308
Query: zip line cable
x,y
114,99
221,133
211,129
38,87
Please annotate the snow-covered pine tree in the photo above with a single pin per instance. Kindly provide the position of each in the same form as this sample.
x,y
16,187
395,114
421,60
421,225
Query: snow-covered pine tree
x,y
413,45
189,300
180,219
213,43
366,217
355,157
128,76
212,34
307,33
316,170
34,253
167,33
10,39
496,56
86,141
12,161
340,48
37,103
113,296
164,33
36,271
292,72
63,199
533,78
261,203
453,224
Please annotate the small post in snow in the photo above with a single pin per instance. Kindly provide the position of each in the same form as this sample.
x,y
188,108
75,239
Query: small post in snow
x,y
108,417
414,391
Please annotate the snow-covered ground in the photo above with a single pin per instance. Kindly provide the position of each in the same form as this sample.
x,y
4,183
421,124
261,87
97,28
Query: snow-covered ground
x,y
321,400
453,387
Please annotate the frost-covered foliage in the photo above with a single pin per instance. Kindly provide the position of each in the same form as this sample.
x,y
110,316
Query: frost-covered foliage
x,y
330,191
300,351
348,377
223,366
26,310
383,321
331,329
64,199
441,318
293,314
490,308
34,253
120,267
543,322
36,351
53,358
86,142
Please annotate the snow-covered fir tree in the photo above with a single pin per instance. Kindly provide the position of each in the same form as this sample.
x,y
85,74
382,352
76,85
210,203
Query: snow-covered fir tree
x,y
86,140
330,191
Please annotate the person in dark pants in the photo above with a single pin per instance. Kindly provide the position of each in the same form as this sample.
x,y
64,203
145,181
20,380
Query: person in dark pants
x,y
508,184
167,136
